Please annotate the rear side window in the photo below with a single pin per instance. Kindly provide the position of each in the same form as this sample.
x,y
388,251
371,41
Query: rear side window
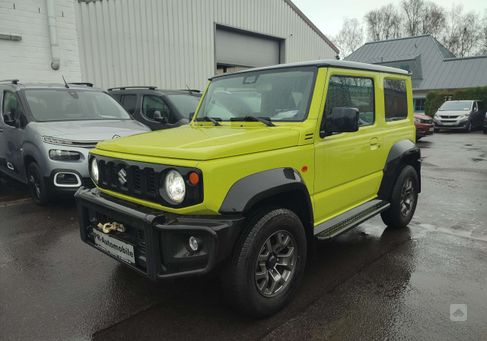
x,y
352,92
129,102
396,101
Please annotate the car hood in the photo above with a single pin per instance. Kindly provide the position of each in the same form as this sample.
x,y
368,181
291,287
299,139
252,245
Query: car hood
x,y
205,143
90,130
422,116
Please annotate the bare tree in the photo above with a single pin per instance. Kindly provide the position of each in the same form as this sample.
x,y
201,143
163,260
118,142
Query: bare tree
x,y
432,19
383,23
413,10
463,32
350,37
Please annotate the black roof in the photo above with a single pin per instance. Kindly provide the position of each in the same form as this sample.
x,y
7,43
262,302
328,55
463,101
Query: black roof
x,y
325,63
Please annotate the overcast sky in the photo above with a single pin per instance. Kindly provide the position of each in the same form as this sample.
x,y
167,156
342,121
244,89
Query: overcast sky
x,y
329,15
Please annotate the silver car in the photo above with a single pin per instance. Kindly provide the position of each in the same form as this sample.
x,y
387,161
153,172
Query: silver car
x,y
46,131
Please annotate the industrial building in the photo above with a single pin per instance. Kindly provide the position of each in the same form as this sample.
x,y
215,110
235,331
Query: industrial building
x,y
166,43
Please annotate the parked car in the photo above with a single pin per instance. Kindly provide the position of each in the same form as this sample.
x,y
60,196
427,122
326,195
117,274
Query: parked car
x,y
465,115
424,125
156,108
46,131
248,186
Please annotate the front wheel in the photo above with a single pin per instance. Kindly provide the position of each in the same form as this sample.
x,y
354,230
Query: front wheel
x,y
267,264
485,130
38,187
403,199
468,127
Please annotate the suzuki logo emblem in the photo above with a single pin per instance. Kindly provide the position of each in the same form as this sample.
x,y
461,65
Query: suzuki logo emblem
x,y
122,176
116,136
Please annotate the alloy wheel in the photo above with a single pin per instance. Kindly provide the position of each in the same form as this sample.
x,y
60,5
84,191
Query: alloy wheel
x,y
276,264
407,197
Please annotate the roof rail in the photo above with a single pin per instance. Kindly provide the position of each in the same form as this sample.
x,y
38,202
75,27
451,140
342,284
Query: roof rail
x,y
150,87
13,81
191,90
82,83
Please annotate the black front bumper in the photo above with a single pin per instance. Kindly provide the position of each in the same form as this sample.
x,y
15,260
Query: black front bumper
x,y
159,239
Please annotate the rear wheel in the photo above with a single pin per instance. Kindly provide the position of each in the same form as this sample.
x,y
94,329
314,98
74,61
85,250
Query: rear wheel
x,y
403,200
267,264
38,187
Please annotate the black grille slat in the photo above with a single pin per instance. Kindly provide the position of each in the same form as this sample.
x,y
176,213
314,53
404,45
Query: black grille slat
x,y
141,182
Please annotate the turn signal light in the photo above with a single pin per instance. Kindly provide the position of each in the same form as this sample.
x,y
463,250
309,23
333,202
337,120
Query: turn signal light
x,y
194,178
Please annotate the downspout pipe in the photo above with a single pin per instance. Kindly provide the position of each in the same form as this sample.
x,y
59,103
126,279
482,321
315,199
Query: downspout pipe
x,y
51,24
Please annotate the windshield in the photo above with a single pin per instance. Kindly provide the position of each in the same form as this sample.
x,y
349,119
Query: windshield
x,y
185,104
279,95
456,106
73,105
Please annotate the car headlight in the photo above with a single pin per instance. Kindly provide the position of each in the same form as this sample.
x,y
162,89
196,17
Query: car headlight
x,y
64,155
417,120
174,188
94,172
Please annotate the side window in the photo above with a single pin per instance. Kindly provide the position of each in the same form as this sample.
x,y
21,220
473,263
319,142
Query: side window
x,y
475,107
395,99
151,104
352,92
10,107
117,97
129,102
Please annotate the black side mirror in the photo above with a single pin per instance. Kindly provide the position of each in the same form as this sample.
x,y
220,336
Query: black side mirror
x,y
342,120
158,117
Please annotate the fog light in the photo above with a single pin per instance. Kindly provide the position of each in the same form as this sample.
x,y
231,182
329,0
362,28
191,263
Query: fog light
x,y
193,244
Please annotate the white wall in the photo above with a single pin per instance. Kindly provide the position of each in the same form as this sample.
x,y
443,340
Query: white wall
x,y
170,43
30,58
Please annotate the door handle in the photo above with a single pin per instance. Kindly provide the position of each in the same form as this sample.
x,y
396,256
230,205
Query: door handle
x,y
374,143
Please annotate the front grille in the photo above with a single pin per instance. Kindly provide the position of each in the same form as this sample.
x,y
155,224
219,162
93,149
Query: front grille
x,y
136,181
448,116
142,180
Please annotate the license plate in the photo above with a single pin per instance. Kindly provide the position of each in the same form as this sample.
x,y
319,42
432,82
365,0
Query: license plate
x,y
115,247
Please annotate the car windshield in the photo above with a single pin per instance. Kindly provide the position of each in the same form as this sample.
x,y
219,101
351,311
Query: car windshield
x,y
456,106
73,105
278,95
185,104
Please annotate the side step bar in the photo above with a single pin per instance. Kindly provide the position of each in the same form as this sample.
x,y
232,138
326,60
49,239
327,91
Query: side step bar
x,y
350,219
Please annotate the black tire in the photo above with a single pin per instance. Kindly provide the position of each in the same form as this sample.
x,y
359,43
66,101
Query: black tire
x,y
468,127
436,130
400,213
37,185
485,130
244,273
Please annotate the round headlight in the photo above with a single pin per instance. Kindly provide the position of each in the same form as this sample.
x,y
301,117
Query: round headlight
x,y
174,186
95,174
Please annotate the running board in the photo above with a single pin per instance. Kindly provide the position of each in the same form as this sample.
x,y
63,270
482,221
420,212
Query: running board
x,y
350,219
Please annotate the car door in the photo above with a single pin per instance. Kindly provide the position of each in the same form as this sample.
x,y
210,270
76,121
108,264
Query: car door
x,y
477,115
348,165
12,133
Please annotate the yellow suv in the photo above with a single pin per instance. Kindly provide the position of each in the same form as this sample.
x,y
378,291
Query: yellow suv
x,y
273,159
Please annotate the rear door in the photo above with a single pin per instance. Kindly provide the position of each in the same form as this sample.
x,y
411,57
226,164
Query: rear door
x,y
348,165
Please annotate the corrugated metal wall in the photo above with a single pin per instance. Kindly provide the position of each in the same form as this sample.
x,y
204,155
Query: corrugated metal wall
x,y
170,43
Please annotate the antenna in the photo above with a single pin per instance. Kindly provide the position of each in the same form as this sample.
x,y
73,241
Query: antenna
x,y
65,83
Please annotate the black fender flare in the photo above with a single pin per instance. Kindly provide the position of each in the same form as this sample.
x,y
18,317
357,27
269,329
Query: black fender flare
x,y
402,153
250,190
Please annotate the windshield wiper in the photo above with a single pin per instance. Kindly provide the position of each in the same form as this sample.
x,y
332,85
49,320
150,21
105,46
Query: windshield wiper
x,y
249,118
208,119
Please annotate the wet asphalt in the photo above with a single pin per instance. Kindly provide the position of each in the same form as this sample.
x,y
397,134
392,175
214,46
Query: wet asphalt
x,y
370,283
